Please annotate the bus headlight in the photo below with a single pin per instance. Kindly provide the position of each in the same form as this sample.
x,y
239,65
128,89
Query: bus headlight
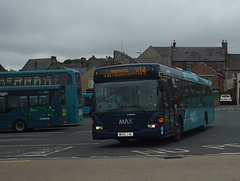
x,y
151,126
99,127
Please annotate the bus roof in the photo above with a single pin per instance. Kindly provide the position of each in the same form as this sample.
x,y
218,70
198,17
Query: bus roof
x,y
145,71
37,71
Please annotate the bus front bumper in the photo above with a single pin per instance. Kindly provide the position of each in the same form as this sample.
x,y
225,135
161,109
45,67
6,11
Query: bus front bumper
x,y
146,133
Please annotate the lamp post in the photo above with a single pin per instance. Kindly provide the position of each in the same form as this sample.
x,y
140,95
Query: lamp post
x,y
140,61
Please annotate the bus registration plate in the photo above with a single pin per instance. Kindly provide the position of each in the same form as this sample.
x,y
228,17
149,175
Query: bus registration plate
x,y
125,134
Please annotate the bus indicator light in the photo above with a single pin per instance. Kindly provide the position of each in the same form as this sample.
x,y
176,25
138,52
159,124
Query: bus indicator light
x,y
161,120
160,75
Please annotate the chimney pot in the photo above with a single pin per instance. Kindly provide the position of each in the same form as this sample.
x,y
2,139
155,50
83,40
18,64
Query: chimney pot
x,y
53,59
174,44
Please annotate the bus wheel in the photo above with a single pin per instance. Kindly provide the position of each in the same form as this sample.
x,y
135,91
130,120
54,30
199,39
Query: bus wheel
x,y
204,127
19,126
178,131
123,140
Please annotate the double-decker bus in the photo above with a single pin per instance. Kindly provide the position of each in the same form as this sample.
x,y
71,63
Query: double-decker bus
x,y
23,107
68,79
150,100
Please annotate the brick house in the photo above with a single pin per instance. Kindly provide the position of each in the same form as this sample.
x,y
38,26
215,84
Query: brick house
x,y
189,58
2,69
160,55
232,76
40,64
205,71
122,58
207,62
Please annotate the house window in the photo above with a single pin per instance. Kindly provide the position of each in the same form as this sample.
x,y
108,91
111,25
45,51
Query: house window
x,y
219,67
90,83
208,78
188,67
234,75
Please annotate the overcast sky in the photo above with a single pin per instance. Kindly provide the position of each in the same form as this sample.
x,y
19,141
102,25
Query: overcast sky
x,y
70,29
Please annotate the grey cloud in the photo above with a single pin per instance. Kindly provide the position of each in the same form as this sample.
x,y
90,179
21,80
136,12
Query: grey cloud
x,y
74,29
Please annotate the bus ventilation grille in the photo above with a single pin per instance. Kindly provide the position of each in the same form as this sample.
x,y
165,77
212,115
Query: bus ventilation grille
x,y
172,157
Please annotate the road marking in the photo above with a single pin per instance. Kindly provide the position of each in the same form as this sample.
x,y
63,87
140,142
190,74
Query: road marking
x,y
237,153
43,152
150,153
219,147
8,140
223,146
14,161
50,145
161,152
28,135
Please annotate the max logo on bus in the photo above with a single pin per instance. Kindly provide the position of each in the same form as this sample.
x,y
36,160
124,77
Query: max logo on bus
x,y
125,121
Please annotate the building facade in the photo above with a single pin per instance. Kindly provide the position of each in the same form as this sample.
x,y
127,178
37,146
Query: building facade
x,y
2,69
206,62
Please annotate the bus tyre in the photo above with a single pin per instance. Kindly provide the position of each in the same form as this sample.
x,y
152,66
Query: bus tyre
x,y
178,131
204,127
19,126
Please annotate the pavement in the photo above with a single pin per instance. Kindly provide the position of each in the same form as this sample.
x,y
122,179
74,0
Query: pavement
x,y
212,167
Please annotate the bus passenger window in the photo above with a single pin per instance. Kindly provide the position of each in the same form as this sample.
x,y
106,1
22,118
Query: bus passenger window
x,y
62,78
2,104
17,101
33,100
44,99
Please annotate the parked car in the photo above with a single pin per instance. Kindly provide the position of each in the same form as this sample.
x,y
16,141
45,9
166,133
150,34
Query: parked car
x,y
225,99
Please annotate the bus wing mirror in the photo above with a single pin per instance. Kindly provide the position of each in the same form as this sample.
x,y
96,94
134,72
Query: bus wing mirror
x,y
161,86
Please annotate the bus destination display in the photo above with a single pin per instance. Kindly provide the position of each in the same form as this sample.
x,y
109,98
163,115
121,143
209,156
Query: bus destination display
x,y
123,72
137,71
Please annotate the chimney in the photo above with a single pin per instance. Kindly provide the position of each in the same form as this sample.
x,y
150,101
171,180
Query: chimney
x,y
83,61
174,44
53,59
225,46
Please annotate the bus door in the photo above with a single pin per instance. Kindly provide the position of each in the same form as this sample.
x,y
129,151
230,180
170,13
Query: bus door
x,y
4,121
169,109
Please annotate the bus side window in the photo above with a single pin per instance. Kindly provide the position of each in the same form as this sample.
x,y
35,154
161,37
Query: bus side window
x,y
63,96
1,82
62,78
44,99
177,93
187,99
2,105
33,100
17,101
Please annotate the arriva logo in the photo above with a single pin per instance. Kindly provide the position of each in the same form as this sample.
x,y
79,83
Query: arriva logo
x,y
125,121
2,94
